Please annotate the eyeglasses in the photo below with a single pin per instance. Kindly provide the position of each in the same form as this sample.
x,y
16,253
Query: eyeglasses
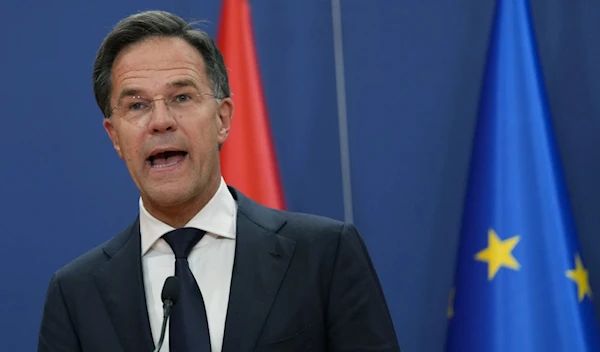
x,y
138,109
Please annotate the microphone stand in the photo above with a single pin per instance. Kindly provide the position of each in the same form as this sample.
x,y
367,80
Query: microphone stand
x,y
166,312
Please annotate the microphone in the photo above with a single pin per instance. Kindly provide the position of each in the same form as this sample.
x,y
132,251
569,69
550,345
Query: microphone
x,y
169,296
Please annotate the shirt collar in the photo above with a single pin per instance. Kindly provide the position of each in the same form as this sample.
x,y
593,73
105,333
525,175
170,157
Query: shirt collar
x,y
218,217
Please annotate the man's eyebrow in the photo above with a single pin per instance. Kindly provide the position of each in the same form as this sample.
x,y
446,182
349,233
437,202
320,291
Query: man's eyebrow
x,y
128,92
183,83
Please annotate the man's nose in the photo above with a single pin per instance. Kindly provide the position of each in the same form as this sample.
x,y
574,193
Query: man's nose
x,y
161,119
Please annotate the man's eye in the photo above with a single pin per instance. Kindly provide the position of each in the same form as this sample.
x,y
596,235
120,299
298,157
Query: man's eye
x,y
182,98
136,106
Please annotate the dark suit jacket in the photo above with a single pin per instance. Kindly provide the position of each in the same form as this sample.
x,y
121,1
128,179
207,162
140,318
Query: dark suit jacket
x,y
300,283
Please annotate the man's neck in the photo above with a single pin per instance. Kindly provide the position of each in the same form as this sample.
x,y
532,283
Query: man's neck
x,y
179,215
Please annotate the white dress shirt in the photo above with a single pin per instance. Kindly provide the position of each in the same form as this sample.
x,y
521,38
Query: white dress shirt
x,y
211,262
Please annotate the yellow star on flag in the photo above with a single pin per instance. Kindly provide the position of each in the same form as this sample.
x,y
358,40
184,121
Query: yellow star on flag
x,y
580,276
498,254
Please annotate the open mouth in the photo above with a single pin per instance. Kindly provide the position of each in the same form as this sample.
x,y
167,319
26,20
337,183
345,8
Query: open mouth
x,y
166,159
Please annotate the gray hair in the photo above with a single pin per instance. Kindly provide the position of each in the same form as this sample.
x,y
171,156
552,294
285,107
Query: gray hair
x,y
140,26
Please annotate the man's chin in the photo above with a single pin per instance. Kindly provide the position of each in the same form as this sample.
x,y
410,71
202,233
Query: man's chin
x,y
167,197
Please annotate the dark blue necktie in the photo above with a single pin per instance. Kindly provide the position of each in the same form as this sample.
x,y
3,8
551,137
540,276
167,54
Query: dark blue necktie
x,y
188,326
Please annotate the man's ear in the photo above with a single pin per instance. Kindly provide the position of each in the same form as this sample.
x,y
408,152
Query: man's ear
x,y
225,115
112,134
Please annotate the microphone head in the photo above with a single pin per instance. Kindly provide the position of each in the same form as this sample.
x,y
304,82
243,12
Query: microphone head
x,y
170,290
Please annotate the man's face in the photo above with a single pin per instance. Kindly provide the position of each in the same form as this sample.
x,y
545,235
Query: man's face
x,y
172,154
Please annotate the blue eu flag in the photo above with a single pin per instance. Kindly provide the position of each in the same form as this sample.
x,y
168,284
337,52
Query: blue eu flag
x,y
521,282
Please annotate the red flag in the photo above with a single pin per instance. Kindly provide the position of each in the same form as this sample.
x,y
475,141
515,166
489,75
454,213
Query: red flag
x,y
248,159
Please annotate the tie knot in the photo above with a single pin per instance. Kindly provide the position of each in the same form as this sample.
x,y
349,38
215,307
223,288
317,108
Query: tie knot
x,y
183,240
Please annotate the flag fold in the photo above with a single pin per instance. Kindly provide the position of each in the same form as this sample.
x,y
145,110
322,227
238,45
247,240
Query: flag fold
x,y
248,160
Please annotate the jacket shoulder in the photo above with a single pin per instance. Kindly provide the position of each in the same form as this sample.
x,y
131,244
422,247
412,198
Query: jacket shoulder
x,y
85,264
311,228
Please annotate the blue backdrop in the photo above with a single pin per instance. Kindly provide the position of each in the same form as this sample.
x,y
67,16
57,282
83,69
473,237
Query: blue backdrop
x,y
412,74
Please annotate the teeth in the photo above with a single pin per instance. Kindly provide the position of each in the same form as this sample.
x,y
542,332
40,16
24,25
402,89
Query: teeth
x,y
159,166
166,160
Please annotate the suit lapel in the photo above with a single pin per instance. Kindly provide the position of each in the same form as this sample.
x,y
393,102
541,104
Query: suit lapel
x,y
261,260
121,286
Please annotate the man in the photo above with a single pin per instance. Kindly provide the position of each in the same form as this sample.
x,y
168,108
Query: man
x,y
251,278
